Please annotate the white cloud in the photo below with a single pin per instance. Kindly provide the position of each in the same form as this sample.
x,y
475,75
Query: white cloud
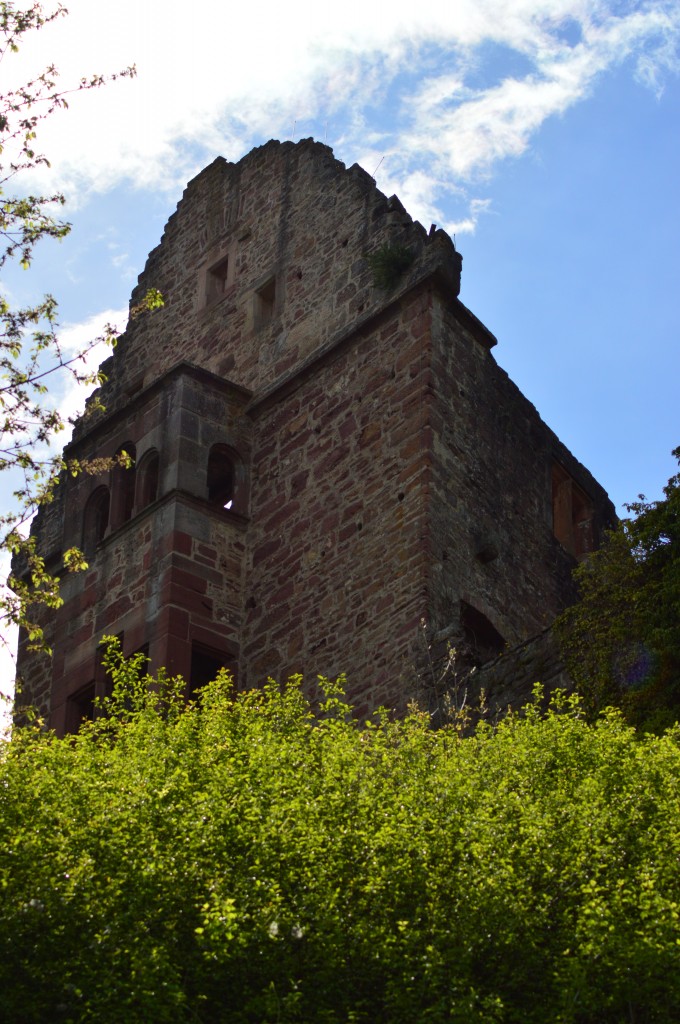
x,y
215,79
87,337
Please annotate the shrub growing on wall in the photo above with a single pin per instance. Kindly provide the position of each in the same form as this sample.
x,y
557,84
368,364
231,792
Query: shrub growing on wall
x,y
242,860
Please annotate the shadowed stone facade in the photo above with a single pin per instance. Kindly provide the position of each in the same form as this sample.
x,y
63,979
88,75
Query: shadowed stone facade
x,y
320,463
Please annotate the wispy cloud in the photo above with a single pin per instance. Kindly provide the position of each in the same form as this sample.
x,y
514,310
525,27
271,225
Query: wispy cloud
x,y
79,338
404,88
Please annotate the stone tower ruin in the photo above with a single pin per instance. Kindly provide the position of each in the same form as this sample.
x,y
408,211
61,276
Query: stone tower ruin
x,y
326,454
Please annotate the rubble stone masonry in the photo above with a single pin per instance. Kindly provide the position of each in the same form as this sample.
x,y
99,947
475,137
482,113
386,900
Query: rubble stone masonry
x,y
320,464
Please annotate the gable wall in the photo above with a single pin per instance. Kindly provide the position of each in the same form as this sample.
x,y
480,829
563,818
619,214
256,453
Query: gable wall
x,y
286,211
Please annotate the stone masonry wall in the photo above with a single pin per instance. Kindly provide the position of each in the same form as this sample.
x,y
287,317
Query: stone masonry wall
x,y
171,575
509,680
335,577
288,213
386,471
490,519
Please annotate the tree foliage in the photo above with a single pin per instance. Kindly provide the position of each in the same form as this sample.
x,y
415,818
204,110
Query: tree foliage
x,y
31,357
242,860
622,640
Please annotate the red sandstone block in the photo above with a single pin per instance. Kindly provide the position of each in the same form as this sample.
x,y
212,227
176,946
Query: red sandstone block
x,y
189,565
284,512
389,330
328,464
412,471
290,566
266,451
298,481
186,598
112,613
189,580
81,635
283,593
88,598
347,427
207,562
283,365
352,510
297,441
414,353
265,551
176,541
215,638
174,621
421,328
350,530
271,506
329,523
335,406
412,448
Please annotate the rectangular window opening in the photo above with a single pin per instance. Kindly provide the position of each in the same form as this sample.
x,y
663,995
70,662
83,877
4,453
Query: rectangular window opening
x,y
217,280
265,303
573,514
80,708
205,664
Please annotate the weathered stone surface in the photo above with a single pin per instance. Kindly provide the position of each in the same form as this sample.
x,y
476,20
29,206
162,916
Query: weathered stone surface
x,y
380,468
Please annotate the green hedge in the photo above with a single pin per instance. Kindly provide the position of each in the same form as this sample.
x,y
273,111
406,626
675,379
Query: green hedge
x,y
242,860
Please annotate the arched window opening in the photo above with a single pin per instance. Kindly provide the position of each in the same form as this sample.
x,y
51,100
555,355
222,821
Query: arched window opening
x,y
96,519
221,476
482,639
147,479
123,486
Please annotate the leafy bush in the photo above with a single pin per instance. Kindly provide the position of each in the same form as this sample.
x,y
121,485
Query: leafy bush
x,y
243,860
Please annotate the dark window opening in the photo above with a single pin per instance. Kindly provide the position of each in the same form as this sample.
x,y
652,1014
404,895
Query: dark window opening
x,y
102,677
96,520
144,652
572,514
80,708
205,665
482,639
145,666
123,487
147,480
217,281
221,477
265,303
